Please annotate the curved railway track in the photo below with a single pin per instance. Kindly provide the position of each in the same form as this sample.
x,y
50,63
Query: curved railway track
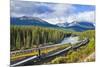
x,y
49,55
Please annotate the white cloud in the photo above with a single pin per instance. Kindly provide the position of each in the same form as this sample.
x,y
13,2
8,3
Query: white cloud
x,y
59,10
83,16
62,9
87,16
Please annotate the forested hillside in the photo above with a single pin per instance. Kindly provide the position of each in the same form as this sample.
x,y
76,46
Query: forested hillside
x,y
24,37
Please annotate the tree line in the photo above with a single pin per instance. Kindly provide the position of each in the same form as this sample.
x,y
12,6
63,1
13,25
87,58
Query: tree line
x,y
25,37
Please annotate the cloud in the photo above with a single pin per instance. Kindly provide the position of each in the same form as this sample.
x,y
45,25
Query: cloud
x,y
83,16
62,10
87,16
53,12
59,14
28,8
40,9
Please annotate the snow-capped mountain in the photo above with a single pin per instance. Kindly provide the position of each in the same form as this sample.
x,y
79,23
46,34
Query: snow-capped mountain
x,y
66,24
78,26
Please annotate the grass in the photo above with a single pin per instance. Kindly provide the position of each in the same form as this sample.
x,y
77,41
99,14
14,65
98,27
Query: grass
x,y
77,56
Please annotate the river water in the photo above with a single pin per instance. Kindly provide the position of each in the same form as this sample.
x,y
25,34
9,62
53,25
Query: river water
x,y
70,39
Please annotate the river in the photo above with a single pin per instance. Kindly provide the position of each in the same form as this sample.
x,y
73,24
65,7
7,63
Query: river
x,y
70,39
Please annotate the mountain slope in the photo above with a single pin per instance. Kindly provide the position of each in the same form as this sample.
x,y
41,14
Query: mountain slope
x,y
30,21
78,26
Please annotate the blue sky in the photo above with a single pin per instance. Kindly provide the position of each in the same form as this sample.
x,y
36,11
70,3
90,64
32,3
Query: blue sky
x,y
53,12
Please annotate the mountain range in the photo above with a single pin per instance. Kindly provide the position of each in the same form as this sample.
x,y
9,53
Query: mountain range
x,y
30,21
78,26
35,21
